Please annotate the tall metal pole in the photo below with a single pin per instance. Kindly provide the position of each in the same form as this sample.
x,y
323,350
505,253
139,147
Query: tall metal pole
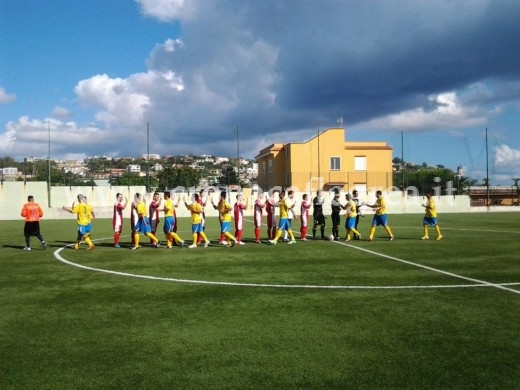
x,y
487,169
310,161
319,162
402,158
147,157
238,157
49,165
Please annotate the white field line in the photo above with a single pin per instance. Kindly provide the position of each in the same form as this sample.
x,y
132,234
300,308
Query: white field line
x,y
478,281
307,286
58,256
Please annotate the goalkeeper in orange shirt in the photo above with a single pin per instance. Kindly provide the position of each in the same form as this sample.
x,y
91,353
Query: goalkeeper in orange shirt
x,y
32,212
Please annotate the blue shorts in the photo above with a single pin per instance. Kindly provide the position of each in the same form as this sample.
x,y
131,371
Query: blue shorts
x,y
143,226
84,229
284,224
225,227
429,221
196,228
379,220
350,223
168,225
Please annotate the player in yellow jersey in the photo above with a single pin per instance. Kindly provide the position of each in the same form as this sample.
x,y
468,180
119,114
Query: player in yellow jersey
x,y
224,210
352,212
85,215
430,217
285,208
380,218
143,223
196,221
169,222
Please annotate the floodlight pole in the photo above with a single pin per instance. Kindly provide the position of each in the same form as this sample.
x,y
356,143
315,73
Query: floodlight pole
x,y
319,162
49,165
147,157
238,157
402,158
487,170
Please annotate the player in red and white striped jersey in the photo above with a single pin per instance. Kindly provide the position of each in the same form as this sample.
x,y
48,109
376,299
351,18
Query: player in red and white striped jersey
x,y
117,218
238,211
257,215
153,211
270,209
304,217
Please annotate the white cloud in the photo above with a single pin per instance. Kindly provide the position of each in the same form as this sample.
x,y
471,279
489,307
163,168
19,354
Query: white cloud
x,y
449,113
61,112
30,137
181,97
120,100
165,10
507,160
6,98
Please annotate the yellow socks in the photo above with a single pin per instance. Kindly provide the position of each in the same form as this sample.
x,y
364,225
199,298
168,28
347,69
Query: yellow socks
x,y
387,228
229,236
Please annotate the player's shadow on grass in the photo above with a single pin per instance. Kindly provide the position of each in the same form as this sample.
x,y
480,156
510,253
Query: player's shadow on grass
x,y
33,247
15,246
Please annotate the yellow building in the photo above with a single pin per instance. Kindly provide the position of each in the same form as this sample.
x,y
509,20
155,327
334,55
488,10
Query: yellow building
x,y
326,161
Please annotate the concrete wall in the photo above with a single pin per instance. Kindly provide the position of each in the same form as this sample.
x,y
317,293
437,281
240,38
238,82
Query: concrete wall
x,y
13,195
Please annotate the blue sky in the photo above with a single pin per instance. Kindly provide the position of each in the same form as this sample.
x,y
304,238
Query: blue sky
x,y
96,72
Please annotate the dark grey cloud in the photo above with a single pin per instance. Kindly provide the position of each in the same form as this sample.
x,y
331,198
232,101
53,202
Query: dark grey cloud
x,y
356,59
282,67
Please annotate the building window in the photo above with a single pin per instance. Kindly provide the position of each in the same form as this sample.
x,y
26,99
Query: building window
x,y
335,163
287,179
287,154
360,163
263,167
270,166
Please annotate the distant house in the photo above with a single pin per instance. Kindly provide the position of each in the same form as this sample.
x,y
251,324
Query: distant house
x,y
152,156
9,173
498,196
220,160
133,168
326,161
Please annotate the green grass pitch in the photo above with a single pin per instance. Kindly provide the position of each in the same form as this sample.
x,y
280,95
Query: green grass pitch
x,y
407,314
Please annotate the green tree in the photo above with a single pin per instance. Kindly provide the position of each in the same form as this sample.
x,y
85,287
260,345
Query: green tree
x,y
41,170
516,180
183,176
229,176
133,179
6,162
425,179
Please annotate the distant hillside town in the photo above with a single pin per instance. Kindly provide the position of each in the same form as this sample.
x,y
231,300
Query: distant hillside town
x,y
325,161
203,170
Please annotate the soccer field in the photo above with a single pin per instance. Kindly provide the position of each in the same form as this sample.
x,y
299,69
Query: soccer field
x,y
406,314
